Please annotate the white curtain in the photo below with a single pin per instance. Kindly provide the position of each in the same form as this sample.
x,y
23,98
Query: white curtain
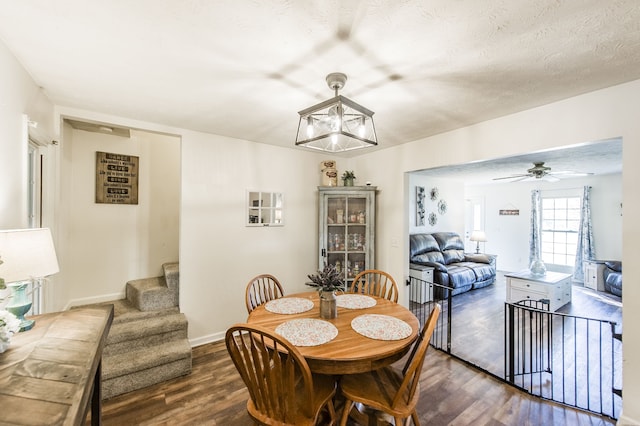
x,y
585,249
535,235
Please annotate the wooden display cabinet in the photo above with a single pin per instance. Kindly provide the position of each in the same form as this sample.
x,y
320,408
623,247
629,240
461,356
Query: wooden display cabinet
x,y
347,228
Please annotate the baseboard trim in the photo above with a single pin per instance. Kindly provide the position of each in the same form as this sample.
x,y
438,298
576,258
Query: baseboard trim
x,y
211,338
627,421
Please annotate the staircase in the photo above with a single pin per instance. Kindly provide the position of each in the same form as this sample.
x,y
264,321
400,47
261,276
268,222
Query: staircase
x,y
147,343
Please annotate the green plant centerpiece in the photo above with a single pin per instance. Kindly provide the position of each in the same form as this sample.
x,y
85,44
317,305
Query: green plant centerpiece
x,y
348,177
327,281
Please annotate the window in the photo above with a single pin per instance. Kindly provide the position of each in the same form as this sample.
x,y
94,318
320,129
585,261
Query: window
x,y
560,223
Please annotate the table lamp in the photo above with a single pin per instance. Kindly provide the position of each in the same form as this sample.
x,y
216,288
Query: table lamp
x,y
478,236
28,255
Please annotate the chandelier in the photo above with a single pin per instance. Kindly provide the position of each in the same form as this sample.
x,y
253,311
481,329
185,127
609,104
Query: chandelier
x,y
337,124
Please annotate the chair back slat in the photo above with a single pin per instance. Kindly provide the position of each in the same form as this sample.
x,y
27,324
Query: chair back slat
x,y
261,289
377,283
413,367
273,370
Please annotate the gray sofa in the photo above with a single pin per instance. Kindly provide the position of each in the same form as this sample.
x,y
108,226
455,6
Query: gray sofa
x,y
460,271
612,275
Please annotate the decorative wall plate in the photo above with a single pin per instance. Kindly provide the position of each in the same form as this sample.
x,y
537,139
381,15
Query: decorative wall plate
x,y
433,194
433,219
442,206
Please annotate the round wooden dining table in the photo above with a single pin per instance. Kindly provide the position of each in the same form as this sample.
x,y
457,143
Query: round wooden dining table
x,y
349,352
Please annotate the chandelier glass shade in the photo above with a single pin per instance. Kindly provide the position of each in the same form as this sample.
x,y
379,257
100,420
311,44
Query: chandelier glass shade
x,y
337,124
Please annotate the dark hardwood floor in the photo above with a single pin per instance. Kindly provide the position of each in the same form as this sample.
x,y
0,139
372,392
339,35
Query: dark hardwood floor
x,y
478,323
452,393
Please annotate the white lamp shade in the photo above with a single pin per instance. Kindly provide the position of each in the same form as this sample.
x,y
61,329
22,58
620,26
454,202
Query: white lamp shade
x,y
27,254
478,236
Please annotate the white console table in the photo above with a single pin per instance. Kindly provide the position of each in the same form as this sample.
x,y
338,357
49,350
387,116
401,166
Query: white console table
x,y
553,286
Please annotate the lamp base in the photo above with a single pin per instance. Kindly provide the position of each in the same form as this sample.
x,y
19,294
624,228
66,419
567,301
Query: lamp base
x,y
27,324
19,311
20,305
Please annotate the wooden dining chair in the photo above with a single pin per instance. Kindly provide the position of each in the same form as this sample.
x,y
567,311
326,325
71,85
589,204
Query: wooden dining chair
x,y
261,289
282,389
388,389
376,283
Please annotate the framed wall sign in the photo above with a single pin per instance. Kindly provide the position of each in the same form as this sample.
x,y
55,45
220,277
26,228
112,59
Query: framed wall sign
x,y
116,178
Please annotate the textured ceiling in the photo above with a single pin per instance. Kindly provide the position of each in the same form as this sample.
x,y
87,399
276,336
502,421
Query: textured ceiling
x,y
244,68
597,158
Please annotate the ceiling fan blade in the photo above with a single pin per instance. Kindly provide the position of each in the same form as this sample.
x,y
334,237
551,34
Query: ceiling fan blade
x,y
571,173
549,178
512,177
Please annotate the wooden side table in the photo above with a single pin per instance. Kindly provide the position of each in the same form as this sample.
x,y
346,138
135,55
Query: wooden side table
x,y
49,374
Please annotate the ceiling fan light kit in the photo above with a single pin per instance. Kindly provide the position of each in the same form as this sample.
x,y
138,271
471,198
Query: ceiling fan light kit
x,y
337,124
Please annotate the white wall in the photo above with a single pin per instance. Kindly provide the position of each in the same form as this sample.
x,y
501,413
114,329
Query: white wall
x,y
218,254
106,245
19,95
450,191
594,116
508,236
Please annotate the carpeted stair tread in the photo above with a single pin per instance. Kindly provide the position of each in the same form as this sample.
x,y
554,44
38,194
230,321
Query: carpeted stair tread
x,y
136,328
143,284
128,363
149,294
148,340
143,378
124,311
172,275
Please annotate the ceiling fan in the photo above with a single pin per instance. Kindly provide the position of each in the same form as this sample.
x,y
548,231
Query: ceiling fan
x,y
540,171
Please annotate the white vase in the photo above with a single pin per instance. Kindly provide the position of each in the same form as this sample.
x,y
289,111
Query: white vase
x,y
537,268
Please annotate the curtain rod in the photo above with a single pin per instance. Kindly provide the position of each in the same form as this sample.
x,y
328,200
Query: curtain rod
x,y
565,189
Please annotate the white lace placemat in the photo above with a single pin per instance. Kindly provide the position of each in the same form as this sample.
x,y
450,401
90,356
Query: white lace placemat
x,y
355,301
289,305
307,331
381,327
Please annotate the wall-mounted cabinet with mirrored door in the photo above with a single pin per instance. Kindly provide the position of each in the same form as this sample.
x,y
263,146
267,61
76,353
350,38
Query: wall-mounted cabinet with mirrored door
x,y
264,208
347,228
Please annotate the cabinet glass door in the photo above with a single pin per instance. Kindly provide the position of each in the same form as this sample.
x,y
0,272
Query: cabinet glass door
x,y
347,234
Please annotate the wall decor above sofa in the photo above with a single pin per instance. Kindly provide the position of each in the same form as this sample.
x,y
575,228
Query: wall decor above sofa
x,y
444,251
420,208
433,219
442,206
434,193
